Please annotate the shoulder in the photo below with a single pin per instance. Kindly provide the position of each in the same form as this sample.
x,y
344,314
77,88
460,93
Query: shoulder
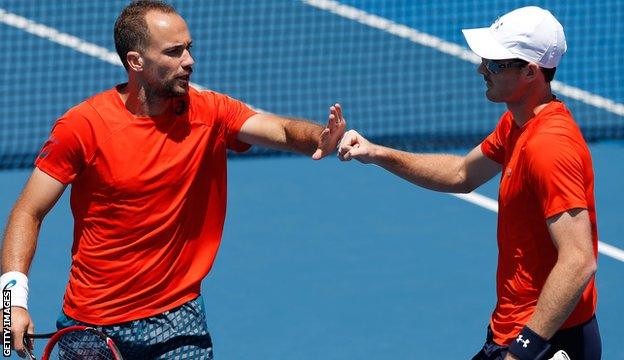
x,y
556,119
502,130
96,116
504,125
202,100
555,131
505,120
207,97
90,107
556,143
221,106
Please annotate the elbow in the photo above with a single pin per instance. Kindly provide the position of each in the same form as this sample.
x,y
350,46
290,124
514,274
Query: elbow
x,y
586,266
588,263
464,187
588,271
462,183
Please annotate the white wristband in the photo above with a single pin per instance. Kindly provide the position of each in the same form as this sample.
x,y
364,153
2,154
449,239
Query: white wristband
x,y
17,283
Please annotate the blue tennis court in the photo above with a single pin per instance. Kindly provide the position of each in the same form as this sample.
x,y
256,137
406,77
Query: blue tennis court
x,y
326,259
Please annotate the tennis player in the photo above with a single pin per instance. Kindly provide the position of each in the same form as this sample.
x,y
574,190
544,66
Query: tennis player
x,y
547,233
147,164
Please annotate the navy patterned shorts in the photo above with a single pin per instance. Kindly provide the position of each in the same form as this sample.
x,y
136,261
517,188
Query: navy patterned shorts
x,y
180,333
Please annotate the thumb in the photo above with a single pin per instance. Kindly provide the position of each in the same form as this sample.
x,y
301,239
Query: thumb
x,y
318,154
324,138
30,342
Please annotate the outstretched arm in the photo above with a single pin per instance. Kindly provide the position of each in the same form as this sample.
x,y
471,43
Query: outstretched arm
x,y
293,135
20,239
439,172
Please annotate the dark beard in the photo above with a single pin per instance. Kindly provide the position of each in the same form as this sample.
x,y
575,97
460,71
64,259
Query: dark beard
x,y
167,91
170,91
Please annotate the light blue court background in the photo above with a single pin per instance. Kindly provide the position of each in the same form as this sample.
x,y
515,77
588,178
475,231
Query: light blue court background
x,y
330,260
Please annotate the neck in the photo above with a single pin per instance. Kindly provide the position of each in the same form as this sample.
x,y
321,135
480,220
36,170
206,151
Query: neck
x,y
527,107
142,102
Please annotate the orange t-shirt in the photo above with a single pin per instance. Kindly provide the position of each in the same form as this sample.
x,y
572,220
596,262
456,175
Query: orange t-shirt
x,y
547,170
148,198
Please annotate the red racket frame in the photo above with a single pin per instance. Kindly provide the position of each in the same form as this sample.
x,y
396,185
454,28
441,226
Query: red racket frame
x,y
56,336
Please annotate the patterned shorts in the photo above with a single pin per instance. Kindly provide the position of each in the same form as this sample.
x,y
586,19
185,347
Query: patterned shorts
x,y
177,334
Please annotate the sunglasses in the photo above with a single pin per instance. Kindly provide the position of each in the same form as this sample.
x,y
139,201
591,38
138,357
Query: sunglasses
x,y
495,67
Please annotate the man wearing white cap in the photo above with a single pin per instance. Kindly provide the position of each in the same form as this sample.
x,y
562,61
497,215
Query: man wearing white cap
x,y
547,234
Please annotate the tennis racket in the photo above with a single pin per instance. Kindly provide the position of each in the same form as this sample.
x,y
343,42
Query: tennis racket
x,y
76,343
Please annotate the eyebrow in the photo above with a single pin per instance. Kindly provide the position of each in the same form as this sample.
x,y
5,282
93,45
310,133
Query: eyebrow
x,y
177,46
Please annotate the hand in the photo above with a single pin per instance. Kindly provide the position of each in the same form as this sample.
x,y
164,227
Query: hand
x,y
355,146
21,323
331,135
510,356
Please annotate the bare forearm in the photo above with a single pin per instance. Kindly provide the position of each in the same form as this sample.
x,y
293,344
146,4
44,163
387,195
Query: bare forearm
x,y
439,172
20,241
301,136
20,237
281,133
295,135
560,294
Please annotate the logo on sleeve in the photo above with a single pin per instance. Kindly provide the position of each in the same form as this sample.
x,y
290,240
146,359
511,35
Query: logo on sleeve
x,y
46,147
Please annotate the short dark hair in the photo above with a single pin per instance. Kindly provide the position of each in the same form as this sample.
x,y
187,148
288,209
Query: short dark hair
x,y
549,74
131,32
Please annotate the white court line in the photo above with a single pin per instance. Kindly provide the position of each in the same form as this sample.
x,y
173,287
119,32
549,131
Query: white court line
x,y
451,49
110,57
58,37
71,41
480,200
611,250
492,205
63,39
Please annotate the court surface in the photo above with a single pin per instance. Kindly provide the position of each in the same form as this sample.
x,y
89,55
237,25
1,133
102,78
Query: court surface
x,y
331,260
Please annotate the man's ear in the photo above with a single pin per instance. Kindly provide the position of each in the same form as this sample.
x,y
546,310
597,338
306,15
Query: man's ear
x,y
135,61
531,72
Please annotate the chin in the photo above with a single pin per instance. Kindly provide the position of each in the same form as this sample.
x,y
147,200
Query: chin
x,y
493,97
182,91
178,91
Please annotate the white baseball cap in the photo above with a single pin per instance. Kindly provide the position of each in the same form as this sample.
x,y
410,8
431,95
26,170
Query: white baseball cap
x,y
529,33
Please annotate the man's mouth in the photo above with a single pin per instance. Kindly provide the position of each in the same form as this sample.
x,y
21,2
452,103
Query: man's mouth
x,y
185,77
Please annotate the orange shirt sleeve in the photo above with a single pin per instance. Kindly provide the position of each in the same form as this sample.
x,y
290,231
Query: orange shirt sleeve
x,y
233,113
555,171
63,154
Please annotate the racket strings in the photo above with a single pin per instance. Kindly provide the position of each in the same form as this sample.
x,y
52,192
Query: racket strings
x,y
81,345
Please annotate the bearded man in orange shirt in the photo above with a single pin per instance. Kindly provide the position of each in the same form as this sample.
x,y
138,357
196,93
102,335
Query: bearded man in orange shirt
x,y
147,164
547,234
